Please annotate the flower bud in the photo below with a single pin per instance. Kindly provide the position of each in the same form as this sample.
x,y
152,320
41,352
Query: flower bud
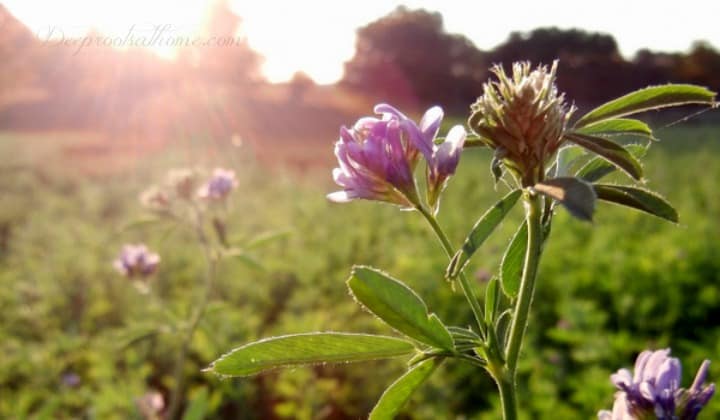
x,y
523,116
443,162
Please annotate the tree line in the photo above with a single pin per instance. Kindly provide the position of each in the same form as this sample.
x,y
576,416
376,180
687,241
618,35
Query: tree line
x,y
408,54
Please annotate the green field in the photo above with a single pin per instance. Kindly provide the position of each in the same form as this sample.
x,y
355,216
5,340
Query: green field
x,y
606,290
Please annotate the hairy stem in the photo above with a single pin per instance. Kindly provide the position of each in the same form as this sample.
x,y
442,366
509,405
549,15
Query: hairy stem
x,y
197,315
527,282
464,284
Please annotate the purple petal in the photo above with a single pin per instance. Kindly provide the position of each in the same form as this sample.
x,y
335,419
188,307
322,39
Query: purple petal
x,y
652,367
706,394
669,375
622,378
390,110
346,136
430,123
640,363
647,390
447,155
700,377
417,139
365,123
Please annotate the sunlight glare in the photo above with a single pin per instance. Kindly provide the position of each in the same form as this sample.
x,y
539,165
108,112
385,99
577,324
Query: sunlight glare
x,y
118,22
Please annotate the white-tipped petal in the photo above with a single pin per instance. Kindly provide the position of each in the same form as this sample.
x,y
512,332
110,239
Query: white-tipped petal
x,y
339,197
430,122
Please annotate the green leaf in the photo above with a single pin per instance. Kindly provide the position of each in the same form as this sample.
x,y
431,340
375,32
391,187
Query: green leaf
x,y
598,167
513,261
198,407
398,306
491,300
502,325
618,127
637,198
480,232
243,256
610,151
654,97
576,195
308,349
566,159
397,394
266,238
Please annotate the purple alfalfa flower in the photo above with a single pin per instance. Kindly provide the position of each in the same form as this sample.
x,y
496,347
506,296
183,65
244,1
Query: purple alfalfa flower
x,y
136,260
653,390
219,186
70,379
377,156
442,163
697,396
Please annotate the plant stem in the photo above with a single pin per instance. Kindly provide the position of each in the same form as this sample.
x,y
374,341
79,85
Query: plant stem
x,y
507,380
506,386
464,284
179,377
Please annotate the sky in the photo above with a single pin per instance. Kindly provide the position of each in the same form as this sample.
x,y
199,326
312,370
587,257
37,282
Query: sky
x,y
316,37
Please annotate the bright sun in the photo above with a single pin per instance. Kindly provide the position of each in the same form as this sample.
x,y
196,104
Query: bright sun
x,y
290,41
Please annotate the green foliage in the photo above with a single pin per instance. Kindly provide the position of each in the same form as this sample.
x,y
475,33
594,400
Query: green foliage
x,y
513,261
647,99
398,306
605,292
598,167
307,349
610,151
397,394
617,127
480,232
638,198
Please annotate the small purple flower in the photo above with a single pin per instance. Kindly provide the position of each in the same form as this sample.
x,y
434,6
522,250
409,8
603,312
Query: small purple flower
x,y
442,163
219,186
136,261
70,379
377,156
653,391
697,396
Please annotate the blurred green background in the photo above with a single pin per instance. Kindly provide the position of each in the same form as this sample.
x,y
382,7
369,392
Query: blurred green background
x,y
84,130
606,290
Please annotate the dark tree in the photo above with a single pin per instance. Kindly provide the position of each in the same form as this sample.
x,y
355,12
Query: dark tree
x,y
407,55
701,66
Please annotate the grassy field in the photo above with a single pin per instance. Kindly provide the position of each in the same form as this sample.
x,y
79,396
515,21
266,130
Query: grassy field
x,y
606,290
